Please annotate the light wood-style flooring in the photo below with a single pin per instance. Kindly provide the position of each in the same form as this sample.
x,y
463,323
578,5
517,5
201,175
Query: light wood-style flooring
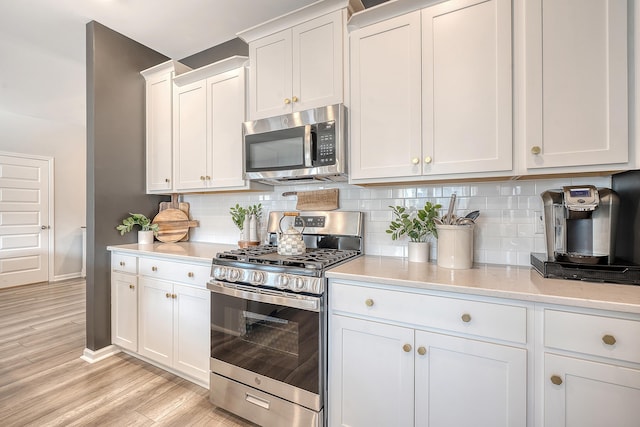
x,y
43,381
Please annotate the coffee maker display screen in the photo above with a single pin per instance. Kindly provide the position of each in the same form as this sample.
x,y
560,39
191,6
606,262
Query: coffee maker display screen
x,y
580,192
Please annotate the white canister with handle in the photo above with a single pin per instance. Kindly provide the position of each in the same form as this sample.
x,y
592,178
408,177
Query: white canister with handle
x,y
455,246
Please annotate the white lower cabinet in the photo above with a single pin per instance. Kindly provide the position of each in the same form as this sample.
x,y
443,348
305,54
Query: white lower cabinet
x,y
591,369
384,372
162,313
174,326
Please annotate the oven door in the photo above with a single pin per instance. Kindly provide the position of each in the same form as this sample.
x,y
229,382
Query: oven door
x,y
269,341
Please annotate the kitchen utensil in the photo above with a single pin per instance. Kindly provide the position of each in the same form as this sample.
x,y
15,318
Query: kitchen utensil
x,y
173,225
176,204
452,203
290,242
464,221
318,200
473,215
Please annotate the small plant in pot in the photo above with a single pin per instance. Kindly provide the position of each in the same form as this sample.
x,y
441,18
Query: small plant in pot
x,y
242,218
147,229
418,225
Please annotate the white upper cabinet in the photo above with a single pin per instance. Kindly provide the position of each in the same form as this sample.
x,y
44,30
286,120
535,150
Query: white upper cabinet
x,y
209,109
466,86
159,134
431,93
385,129
297,59
574,85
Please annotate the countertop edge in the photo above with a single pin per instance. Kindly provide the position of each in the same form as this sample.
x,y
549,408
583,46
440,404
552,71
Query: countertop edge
x,y
200,252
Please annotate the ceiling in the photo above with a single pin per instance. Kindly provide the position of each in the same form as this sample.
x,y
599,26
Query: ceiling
x,y
48,36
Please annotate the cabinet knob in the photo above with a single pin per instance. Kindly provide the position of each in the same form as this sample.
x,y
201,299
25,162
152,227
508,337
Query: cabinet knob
x,y
422,351
536,150
208,178
154,268
609,339
295,99
167,180
121,263
428,160
174,296
406,348
287,101
555,379
202,178
369,302
132,287
415,160
466,318
168,295
190,274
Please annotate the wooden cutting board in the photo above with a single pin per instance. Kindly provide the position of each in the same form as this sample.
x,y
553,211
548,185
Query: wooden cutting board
x,y
173,225
175,204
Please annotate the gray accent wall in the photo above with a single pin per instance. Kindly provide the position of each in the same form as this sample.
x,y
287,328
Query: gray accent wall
x,y
222,51
115,160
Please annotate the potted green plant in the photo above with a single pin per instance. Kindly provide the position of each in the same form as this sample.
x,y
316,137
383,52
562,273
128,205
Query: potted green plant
x,y
241,217
147,229
418,225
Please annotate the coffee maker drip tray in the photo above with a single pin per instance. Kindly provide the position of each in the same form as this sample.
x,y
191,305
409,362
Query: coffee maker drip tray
x,y
614,273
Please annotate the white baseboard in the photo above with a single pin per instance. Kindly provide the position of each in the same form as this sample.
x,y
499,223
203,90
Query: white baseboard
x,y
61,277
92,356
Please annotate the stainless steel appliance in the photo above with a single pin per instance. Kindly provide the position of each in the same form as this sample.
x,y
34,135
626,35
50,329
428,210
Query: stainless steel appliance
x,y
580,224
269,321
301,147
580,231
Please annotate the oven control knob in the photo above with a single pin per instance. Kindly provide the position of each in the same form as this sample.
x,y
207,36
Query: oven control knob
x,y
283,281
298,284
219,273
257,278
233,274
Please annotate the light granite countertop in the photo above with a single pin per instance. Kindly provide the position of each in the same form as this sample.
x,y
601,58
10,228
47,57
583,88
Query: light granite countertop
x,y
184,251
521,283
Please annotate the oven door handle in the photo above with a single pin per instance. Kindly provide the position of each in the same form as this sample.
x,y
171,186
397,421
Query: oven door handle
x,y
302,302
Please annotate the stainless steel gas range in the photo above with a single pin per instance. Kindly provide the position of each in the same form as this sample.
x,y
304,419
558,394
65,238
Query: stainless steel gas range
x,y
269,321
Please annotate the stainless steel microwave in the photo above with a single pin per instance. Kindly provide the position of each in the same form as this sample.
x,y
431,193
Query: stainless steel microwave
x,y
301,147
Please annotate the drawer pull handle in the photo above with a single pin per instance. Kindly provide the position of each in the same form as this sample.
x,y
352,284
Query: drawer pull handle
x,y
407,348
132,287
121,263
369,302
168,295
154,268
466,318
190,274
609,339
422,351
555,379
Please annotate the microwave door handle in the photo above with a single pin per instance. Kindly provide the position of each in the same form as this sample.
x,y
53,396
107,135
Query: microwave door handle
x,y
308,161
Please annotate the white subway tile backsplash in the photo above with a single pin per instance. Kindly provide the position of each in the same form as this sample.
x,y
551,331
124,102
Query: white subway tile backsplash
x,y
505,231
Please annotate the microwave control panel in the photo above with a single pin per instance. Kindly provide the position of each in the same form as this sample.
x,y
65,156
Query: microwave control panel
x,y
325,143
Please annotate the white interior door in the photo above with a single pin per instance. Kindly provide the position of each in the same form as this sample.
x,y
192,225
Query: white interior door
x,y
24,220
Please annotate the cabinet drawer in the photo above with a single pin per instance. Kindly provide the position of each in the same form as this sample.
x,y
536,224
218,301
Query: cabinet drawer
x,y
175,271
591,334
486,319
124,263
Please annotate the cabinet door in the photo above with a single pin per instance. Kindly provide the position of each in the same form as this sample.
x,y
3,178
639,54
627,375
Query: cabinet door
x,y
124,310
467,87
191,331
317,62
370,374
156,320
462,382
270,75
575,83
386,99
226,108
159,133
190,135
589,394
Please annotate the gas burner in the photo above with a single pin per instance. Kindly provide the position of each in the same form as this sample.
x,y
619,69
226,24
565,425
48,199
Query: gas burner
x,y
314,259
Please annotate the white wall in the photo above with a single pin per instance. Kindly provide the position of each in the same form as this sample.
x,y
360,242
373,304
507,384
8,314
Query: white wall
x,y
505,232
42,113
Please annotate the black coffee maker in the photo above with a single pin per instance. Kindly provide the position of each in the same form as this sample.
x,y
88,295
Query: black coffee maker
x,y
627,185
